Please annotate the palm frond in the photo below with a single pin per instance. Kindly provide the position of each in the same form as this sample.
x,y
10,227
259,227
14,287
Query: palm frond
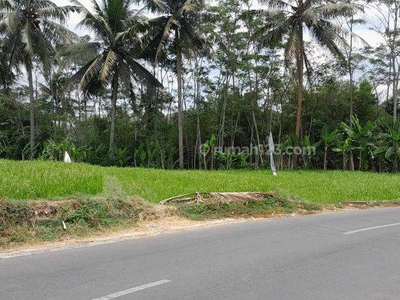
x,y
82,8
332,10
108,66
76,53
274,31
57,34
276,4
292,46
27,39
134,29
88,72
124,74
141,72
189,6
158,6
7,4
59,13
192,34
156,44
13,20
96,24
327,35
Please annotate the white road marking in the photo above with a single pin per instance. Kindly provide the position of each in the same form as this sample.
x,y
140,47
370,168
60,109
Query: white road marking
x,y
371,228
133,290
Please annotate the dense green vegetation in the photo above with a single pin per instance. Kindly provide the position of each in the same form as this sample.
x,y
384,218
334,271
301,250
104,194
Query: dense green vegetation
x,y
183,86
52,180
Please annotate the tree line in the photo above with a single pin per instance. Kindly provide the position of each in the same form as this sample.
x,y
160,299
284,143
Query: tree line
x,y
165,84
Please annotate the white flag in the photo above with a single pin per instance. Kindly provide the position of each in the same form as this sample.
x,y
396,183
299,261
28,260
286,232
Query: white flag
x,y
67,159
271,150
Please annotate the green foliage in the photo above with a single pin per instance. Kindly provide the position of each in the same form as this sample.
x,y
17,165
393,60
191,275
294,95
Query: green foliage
x,y
233,97
14,117
231,160
55,151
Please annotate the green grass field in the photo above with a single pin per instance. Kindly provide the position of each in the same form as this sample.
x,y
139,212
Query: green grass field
x,y
54,181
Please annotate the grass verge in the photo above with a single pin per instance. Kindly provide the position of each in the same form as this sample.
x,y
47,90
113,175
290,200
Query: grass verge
x,y
239,205
39,221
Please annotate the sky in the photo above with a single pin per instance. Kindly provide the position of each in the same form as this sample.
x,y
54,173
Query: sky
x,y
372,37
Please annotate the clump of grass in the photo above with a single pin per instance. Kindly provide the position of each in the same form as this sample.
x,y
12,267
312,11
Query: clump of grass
x,y
206,210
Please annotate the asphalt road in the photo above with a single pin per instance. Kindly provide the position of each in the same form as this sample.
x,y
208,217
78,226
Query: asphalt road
x,y
342,255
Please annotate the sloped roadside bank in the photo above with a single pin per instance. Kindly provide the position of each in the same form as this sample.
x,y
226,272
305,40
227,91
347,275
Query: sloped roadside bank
x,y
106,218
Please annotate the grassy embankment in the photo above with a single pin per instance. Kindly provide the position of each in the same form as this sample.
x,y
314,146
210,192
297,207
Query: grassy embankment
x,y
88,198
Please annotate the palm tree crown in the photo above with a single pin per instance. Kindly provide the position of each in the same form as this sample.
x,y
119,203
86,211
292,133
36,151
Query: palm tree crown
x,y
289,20
35,28
32,30
175,15
111,57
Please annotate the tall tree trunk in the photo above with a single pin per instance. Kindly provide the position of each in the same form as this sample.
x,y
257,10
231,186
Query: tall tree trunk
x,y
300,95
180,111
351,71
300,71
259,154
325,157
351,166
395,79
114,95
29,70
235,130
197,149
351,78
221,137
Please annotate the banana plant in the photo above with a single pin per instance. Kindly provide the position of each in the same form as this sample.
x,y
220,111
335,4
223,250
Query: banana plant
x,y
207,147
391,145
360,139
343,147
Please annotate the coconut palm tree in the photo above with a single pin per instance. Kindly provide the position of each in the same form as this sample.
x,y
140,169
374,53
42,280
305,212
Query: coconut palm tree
x,y
290,20
177,21
112,57
33,30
